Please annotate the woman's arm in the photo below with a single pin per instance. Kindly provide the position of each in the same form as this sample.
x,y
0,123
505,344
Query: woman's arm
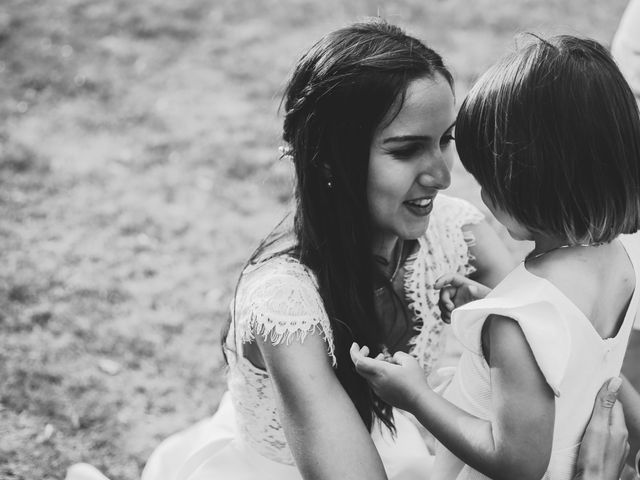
x,y
517,442
325,433
630,368
492,259
630,399
604,444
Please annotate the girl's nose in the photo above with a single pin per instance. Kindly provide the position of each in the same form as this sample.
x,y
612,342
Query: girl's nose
x,y
436,173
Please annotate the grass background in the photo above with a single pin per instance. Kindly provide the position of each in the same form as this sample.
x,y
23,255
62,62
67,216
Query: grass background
x,y
138,169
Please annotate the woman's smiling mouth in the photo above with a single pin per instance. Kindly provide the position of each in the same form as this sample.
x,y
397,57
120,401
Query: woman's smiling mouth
x,y
420,206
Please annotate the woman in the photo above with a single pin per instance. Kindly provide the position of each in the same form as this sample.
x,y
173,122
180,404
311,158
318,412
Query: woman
x,y
368,124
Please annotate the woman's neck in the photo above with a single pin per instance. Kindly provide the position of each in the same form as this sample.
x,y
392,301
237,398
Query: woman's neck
x,y
388,257
384,248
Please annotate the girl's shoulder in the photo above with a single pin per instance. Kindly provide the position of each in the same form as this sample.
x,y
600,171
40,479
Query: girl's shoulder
x,y
278,299
538,311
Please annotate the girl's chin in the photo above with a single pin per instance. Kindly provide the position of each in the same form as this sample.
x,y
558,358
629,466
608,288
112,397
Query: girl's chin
x,y
520,237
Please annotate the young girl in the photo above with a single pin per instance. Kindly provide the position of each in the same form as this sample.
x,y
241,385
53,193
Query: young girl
x,y
552,135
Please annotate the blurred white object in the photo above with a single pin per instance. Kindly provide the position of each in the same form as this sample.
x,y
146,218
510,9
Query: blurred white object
x,y
625,46
84,471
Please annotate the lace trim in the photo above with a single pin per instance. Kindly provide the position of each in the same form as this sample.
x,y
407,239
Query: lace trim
x,y
428,325
448,246
413,278
286,331
470,241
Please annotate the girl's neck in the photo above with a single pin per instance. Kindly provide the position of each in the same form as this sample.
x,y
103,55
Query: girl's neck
x,y
545,245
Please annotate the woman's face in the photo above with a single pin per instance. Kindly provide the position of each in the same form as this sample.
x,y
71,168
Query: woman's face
x,y
409,162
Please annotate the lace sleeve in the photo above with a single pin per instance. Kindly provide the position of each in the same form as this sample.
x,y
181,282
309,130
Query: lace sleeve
x,y
279,301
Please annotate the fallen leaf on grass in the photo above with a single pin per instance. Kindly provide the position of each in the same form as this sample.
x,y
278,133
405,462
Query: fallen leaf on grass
x,y
109,366
46,434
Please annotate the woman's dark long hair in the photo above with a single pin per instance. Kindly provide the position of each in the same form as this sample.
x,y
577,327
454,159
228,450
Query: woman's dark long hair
x,y
341,91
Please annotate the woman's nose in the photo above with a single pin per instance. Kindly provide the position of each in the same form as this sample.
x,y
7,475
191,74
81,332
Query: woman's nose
x,y
436,173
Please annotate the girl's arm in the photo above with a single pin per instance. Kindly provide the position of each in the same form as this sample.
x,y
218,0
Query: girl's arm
x,y
517,442
325,433
492,259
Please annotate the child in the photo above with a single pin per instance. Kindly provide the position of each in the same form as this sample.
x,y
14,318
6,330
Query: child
x,y
552,135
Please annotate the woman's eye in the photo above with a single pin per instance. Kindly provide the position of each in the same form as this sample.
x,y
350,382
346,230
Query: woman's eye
x,y
405,152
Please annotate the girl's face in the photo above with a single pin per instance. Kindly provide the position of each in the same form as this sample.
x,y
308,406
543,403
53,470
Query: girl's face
x,y
513,226
409,162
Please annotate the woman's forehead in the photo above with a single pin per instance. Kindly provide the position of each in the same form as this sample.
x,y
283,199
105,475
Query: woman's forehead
x,y
428,108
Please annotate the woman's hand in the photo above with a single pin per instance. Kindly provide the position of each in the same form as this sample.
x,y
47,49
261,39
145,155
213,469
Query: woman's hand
x,y
604,445
457,290
398,381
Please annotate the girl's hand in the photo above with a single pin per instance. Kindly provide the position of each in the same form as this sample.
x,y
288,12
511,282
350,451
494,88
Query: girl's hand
x,y
455,291
398,381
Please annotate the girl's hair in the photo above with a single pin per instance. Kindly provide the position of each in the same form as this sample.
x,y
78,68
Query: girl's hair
x,y
347,85
552,135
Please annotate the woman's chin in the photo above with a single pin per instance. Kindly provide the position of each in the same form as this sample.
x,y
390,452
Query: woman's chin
x,y
416,231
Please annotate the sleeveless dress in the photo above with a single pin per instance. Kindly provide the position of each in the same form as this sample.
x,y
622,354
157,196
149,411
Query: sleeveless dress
x,y
278,300
573,358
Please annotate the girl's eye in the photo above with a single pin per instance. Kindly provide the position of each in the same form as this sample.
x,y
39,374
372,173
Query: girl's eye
x,y
447,139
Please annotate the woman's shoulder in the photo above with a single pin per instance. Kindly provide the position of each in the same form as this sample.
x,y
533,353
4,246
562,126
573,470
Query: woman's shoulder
x,y
447,239
279,285
455,211
280,267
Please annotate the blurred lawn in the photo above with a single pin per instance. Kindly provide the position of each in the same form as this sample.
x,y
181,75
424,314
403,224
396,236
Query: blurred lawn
x,y
138,168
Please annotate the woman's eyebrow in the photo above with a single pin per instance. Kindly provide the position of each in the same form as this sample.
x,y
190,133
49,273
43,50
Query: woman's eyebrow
x,y
409,138
406,138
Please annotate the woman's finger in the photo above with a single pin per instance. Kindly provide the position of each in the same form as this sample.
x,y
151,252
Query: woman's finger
x,y
617,420
601,417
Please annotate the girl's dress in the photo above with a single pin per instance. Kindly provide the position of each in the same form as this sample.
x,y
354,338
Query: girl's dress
x,y
571,355
278,300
